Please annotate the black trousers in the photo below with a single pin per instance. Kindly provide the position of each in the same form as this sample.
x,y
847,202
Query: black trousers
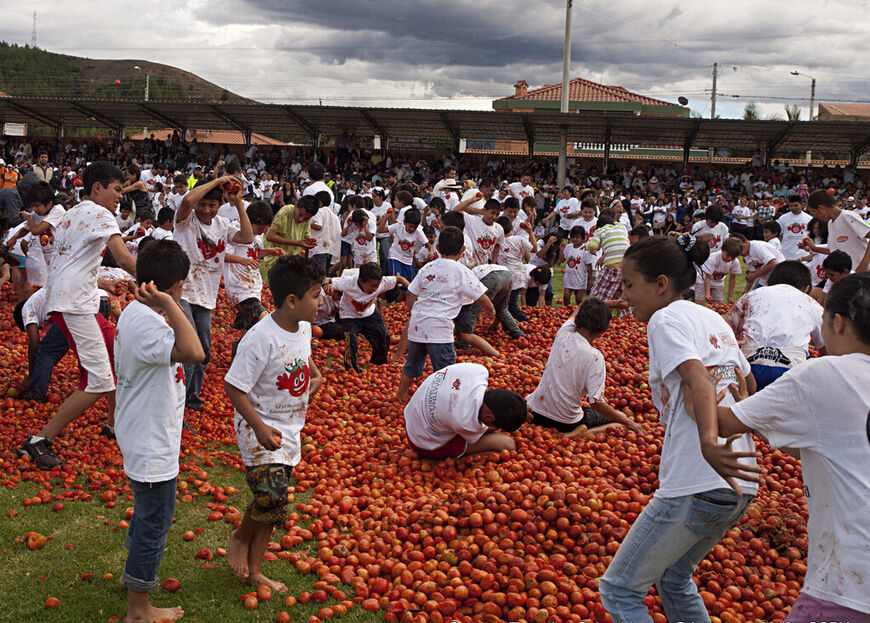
x,y
373,329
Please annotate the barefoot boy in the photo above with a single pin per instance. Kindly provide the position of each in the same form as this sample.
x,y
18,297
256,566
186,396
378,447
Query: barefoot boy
x,y
150,408
270,383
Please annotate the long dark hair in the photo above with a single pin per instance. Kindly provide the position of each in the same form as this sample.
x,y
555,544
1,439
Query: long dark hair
x,y
676,258
850,297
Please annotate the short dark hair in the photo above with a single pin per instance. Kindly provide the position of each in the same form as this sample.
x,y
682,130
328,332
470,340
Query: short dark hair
x,y
677,259
259,213
772,226
308,203
640,231
838,261
577,230
179,179
505,223
101,172
370,271
713,213
541,275
293,274
453,219
323,198
215,194
450,241
850,298
588,203
509,408
791,273
428,230
162,261
820,198
40,193
165,215
357,217
594,315
437,203
405,197
316,171
734,245
604,219
413,217
488,182
492,204
511,202
795,199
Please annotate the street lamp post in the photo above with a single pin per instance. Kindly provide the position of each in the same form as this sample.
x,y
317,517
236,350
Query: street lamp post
x,y
812,90
147,84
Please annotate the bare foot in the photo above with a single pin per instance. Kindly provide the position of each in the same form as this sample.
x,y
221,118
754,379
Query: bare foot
x,y
237,556
278,587
155,614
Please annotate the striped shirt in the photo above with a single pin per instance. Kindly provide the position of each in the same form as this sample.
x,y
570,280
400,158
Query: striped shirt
x,y
612,240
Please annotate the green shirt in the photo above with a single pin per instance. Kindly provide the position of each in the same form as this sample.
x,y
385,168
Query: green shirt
x,y
284,224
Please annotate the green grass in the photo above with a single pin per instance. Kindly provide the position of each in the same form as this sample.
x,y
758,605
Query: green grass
x,y
206,594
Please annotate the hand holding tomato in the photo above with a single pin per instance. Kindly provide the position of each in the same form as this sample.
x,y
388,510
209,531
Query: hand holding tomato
x,y
268,437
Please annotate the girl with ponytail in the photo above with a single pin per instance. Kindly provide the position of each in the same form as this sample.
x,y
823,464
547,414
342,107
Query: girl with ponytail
x,y
693,354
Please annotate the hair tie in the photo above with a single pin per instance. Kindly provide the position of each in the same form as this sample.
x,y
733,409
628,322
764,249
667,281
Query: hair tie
x,y
686,242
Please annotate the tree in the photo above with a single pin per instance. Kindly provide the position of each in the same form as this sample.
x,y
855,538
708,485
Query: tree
x,y
774,116
750,112
793,112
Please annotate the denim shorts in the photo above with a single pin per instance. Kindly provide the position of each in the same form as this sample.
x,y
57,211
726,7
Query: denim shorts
x,y
346,249
442,355
399,269
146,538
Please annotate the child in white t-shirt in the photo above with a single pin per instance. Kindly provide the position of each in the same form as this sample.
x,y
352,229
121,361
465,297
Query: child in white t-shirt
x,y
143,227
435,297
774,324
578,266
846,231
242,279
770,231
831,431
270,383
359,313
428,253
711,230
760,258
203,235
575,371
794,227
406,239
149,354
125,218
515,250
165,218
480,226
710,284
41,220
686,343
453,414
73,301
361,232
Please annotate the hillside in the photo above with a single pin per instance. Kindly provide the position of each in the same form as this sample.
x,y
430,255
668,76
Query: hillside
x,y
26,71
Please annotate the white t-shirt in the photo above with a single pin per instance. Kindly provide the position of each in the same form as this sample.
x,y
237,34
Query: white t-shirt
x,y
124,223
53,218
760,320
511,257
242,282
316,187
718,234
483,237
161,234
471,192
680,332
574,370
717,268
405,245
34,310
576,269
271,367
355,303
521,192
776,244
817,271
794,229
565,207
328,238
440,287
821,408
743,215
150,395
590,226
849,233
205,245
379,211
173,200
364,249
79,242
231,212
760,254
447,404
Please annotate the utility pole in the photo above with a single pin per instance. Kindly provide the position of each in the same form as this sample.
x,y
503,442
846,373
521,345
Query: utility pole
x,y
812,97
33,34
562,173
713,96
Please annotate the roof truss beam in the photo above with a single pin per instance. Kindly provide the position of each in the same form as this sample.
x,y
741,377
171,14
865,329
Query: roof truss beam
x,y
529,129
778,139
159,115
310,129
371,121
26,110
97,116
220,114
448,125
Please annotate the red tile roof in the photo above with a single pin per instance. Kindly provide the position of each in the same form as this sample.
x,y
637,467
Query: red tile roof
x,y
581,90
228,137
845,110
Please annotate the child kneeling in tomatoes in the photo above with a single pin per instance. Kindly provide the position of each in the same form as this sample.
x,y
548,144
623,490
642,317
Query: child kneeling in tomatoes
x,y
149,358
270,383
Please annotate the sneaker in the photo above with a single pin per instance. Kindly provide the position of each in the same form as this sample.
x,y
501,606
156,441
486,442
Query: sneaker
x,y
106,431
40,452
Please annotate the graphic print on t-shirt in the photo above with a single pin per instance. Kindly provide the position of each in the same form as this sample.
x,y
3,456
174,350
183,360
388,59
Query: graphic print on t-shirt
x,y
179,374
295,379
486,242
797,228
406,245
210,248
573,262
359,306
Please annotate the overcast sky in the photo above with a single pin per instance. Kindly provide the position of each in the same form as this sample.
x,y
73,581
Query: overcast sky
x,y
464,53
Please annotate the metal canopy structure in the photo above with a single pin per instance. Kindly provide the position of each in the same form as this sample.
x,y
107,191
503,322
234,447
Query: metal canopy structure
x,y
312,122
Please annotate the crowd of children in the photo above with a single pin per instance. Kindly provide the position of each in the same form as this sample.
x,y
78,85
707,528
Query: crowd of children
x,y
335,265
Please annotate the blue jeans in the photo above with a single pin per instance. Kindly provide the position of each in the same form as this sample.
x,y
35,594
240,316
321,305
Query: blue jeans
x,y
146,538
200,318
442,355
514,305
668,540
384,245
322,260
374,329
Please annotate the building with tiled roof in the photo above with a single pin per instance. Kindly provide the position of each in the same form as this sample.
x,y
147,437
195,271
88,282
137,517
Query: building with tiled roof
x,y
218,137
585,95
844,112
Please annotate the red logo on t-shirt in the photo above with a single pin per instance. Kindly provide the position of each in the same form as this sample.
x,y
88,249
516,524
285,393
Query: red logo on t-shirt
x,y
714,341
430,277
718,276
820,272
796,228
456,384
572,262
361,240
842,238
486,242
406,245
210,249
179,374
359,306
253,253
295,379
